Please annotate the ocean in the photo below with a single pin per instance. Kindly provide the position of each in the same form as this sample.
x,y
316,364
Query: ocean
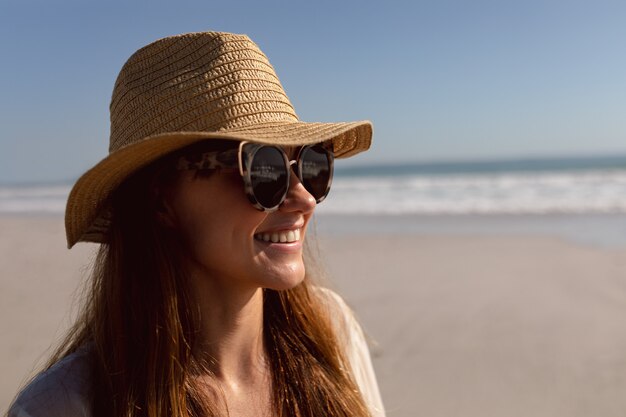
x,y
531,186
593,185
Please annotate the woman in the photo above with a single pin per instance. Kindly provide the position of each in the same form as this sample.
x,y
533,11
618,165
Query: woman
x,y
201,304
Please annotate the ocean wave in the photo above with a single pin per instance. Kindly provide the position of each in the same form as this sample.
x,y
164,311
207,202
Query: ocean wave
x,y
576,192
510,193
34,199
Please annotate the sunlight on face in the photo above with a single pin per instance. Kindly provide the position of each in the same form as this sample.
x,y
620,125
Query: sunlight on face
x,y
224,232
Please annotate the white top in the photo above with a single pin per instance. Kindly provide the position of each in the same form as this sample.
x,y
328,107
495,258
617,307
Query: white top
x,y
62,390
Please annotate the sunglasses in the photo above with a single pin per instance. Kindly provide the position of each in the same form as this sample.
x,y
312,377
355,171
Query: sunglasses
x,y
266,170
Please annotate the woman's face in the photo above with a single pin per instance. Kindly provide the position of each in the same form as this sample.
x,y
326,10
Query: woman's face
x,y
223,231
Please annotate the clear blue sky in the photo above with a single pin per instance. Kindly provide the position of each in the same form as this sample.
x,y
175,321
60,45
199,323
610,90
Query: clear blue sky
x,y
440,79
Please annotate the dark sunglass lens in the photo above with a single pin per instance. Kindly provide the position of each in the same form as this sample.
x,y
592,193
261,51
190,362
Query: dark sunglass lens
x,y
316,171
268,176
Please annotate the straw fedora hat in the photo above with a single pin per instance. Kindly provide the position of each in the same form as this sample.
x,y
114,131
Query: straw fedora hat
x,y
185,89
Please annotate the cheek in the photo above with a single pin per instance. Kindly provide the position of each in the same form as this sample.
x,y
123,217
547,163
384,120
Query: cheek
x,y
191,216
217,230
203,230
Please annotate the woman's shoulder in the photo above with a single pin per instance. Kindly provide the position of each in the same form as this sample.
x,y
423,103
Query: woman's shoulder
x,y
334,303
342,317
61,390
356,349
344,321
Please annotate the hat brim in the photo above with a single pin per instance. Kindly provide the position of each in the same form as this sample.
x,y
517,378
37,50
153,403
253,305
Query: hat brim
x,y
84,217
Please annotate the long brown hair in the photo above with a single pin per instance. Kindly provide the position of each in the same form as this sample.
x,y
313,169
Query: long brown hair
x,y
140,322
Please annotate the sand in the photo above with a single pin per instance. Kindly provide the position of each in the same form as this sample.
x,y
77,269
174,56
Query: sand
x,y
485,325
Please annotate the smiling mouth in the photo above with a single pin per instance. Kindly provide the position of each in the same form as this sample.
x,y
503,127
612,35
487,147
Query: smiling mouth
x,y
283,236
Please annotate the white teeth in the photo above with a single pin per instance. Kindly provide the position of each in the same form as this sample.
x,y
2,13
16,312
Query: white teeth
x,y
288,236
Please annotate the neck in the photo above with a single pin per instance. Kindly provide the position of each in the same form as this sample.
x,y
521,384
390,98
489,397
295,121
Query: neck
x,y
230,338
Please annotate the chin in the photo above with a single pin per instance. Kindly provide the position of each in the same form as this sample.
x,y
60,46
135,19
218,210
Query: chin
x,y
286,282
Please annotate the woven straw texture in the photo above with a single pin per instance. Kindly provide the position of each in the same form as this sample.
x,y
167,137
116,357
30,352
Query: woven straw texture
x,y
188,88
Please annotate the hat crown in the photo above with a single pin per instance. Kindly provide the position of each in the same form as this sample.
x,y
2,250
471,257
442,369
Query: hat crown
x,y
196,82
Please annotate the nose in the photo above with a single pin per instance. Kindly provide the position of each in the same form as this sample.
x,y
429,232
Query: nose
x,y
298,198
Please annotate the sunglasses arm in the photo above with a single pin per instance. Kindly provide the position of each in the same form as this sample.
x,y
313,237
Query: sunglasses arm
x,y
240,157
208,160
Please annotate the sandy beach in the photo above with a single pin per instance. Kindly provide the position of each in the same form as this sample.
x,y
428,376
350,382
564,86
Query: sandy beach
x,y
462,324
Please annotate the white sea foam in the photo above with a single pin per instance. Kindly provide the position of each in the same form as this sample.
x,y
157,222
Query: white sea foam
x,y
571,192
506,193
33,199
